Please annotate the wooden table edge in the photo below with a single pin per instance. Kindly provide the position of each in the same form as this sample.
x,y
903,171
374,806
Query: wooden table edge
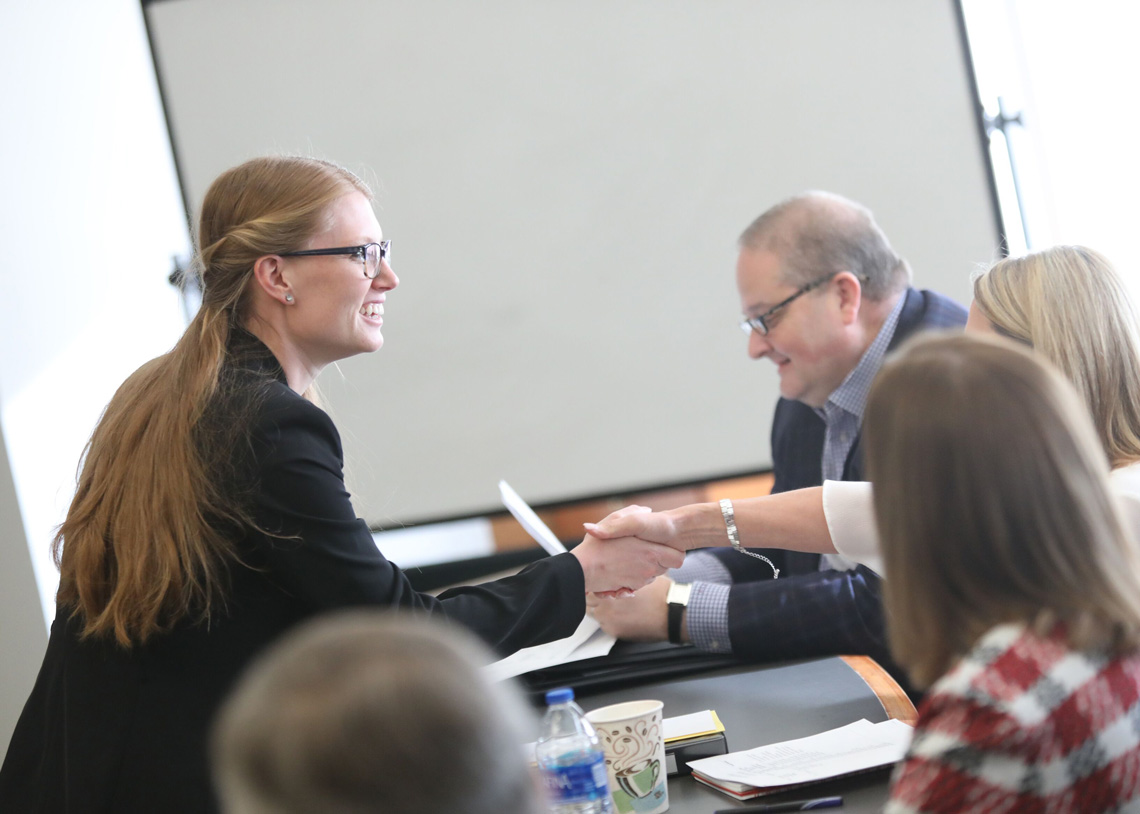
x,y
895,702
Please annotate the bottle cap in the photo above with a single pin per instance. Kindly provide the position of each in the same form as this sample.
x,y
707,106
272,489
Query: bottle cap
x,y
560,695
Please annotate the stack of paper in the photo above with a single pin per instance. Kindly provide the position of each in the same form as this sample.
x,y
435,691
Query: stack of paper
x,y
857,747
694,725
692,737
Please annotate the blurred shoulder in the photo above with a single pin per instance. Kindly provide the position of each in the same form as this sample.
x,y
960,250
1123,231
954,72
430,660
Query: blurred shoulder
x,y
934,309
1126,480
1126,484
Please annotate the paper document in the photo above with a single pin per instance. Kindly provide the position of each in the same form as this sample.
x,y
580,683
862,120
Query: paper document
x,y
680,727
529,520
852,748
586,642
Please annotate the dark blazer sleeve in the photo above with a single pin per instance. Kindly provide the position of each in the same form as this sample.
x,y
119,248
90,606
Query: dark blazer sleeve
x,y
821,613
321,553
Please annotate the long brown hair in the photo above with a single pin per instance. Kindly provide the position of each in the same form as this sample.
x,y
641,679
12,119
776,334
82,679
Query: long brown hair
x,y
142,546
993,504
1069,304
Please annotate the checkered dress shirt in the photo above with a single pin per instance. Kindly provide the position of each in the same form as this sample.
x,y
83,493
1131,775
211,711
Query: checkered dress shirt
x,y
706,619
1026,724
843,414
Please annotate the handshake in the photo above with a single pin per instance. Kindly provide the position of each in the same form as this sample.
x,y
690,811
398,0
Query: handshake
x,y
622,557
628,550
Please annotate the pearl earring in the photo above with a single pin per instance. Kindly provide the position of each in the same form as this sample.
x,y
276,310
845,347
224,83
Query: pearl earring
x,y
289,298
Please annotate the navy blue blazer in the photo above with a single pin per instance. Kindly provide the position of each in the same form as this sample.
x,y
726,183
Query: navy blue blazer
x,y
114,731
808,612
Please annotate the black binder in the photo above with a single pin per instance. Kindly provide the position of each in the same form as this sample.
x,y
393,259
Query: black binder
x,y
627,664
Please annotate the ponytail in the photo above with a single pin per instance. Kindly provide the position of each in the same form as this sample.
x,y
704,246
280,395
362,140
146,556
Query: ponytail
x,y
149,534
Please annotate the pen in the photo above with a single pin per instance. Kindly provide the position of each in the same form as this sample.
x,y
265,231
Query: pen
x,y
791,805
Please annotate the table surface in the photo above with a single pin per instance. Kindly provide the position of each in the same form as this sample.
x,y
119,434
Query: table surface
x,y
762,704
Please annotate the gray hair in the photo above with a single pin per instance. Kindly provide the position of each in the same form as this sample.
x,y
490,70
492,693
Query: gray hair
x,y
368,712
817,232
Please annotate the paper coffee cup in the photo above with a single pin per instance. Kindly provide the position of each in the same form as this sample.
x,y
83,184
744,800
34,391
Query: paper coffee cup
x,y
633,739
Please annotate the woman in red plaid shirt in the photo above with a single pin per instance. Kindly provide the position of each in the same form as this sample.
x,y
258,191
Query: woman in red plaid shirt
x,y
1014,592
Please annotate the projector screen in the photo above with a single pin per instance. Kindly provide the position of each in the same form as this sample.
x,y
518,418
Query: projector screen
x,y
564,183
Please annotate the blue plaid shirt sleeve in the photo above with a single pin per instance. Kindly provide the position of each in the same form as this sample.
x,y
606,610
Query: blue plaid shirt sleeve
x,y
707,617
701,566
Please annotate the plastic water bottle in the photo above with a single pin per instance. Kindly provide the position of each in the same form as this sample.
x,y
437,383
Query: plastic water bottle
x,y
571,759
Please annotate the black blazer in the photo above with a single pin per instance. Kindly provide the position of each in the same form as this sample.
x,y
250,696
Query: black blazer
x,y
808,612
114,730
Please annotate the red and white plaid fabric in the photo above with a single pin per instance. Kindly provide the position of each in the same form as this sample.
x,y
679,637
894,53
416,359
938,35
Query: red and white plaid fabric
x,y
1026,724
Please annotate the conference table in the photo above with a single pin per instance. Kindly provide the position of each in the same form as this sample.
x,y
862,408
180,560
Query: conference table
x,y
762,704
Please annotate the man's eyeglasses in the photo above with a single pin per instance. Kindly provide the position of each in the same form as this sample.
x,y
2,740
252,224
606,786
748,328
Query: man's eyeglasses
x,y
761,322
372,254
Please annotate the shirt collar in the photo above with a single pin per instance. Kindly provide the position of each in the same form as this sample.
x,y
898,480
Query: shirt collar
x,y
851,396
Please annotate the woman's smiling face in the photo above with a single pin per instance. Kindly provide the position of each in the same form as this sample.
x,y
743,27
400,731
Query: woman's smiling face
x,y
337,311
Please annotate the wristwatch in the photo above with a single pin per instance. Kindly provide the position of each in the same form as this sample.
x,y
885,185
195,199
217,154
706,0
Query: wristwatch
x,y
677,600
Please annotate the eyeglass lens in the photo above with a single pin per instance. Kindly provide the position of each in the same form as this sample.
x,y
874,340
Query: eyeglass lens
x,y
374,255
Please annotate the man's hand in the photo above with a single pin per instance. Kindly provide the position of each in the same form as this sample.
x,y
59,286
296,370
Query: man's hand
x,y
623,564
642,617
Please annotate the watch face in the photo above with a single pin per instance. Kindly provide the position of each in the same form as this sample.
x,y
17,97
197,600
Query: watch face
x,y
678,594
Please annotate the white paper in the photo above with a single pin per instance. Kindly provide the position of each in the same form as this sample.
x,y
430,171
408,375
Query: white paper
x,y
685,726
529,520
852,748
584,643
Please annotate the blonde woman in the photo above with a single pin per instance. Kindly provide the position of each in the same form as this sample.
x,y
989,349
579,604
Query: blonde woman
x,y
211,513
1067,303
1014,590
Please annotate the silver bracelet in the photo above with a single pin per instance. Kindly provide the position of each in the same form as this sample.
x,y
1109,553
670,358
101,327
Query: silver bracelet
x,y
734,536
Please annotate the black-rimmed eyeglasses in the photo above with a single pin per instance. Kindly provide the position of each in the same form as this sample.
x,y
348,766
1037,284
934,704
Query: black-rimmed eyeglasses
x,y
759,323
371,254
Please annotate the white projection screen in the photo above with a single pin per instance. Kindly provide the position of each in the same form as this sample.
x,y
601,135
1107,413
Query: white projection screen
x,y
564,183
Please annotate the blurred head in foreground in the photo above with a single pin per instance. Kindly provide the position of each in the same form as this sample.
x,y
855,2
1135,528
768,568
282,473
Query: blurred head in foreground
x,y
369,712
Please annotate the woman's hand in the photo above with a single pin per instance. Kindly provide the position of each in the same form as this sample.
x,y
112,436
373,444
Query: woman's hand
x,y
625,563
655,527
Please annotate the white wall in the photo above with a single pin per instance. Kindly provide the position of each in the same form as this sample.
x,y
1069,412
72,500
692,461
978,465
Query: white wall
x,y
22,635
1081,169
90,217
1069,70
564,182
